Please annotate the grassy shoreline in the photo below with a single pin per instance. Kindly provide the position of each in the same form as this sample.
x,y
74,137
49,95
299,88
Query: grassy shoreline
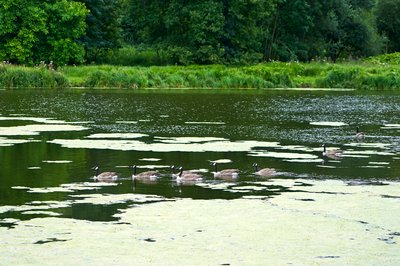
x,y
371,76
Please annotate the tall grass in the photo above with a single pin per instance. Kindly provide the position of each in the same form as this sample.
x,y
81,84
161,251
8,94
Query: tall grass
x,y
37,77
269,75
179,77
377,78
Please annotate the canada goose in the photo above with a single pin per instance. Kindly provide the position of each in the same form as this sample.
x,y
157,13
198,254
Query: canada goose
x,y
333,154
187,176
359,135
145,176
264,172
105,176
226,174
174,173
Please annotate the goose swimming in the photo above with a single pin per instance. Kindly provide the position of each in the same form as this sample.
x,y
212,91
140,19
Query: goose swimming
x,y
188,176
265,172
359,134
333,154
226,174
145,176
105,176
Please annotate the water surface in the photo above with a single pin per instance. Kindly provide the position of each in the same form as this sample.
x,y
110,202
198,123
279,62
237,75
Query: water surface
x,y
50,140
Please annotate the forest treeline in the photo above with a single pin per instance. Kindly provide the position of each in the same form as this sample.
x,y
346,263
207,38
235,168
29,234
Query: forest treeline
x,y
197,32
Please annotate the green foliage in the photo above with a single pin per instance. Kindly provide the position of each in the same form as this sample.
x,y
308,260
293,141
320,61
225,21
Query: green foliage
x,y
392,59
205,32
116,78
388,22
34,31
340,78
245,29
38,77
271,75
306,29
21,22
360,78
214,76
103,27
133,56
66,51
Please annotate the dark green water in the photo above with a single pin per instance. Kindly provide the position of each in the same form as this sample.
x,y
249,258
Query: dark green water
x,y
279,129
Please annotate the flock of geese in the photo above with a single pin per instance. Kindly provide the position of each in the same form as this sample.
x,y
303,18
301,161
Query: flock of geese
x,y
183,176
188,176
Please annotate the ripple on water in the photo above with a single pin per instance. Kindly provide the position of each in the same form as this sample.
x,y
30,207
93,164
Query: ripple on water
x,y
204,123
57,161
150,159
116,136
6,142
391,126
329,124
284,155
29,130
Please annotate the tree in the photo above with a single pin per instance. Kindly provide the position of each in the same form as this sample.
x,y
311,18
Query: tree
x,y
194,31
246,29
103,26
32,31
306,29
188,31
204,32
388,22
21,23
291,36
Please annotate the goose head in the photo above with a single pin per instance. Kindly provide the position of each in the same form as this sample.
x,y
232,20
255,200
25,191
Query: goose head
x,y
215,166
134,167
255,166
96,169
173,169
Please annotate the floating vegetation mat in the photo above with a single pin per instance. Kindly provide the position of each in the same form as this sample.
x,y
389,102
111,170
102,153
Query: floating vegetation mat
x,y
316,222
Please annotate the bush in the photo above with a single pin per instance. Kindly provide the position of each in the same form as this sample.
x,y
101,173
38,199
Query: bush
x,y
131,56
391,59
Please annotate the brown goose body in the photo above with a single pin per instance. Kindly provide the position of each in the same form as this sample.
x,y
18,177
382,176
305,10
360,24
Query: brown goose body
x,y
264,172
105,176
145,176
188,176
359,134
226,174
332,154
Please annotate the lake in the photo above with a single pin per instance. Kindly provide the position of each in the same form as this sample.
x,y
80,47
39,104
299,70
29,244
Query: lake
x,y
313,209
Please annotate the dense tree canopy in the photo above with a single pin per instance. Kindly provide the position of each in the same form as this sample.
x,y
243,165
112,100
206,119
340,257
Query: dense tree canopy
x,y
388,21
207,31
202,32
102,31
32,31
305,29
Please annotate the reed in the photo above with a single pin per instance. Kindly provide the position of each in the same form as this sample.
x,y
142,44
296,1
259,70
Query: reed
x,y
269,75
355,75
26,77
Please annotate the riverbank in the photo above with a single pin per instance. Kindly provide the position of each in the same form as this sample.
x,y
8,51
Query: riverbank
x,y
370,76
